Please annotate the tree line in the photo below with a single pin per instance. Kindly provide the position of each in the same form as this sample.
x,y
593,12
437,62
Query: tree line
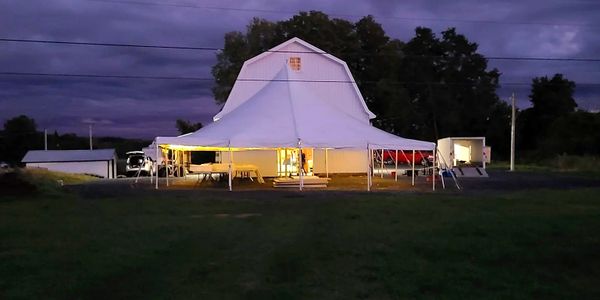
x,y
429,87
20,134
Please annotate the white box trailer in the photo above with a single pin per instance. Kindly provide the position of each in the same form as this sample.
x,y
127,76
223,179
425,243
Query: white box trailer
x,y
457,151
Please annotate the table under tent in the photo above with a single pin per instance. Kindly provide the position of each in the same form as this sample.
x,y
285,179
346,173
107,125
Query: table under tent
x,y
282,119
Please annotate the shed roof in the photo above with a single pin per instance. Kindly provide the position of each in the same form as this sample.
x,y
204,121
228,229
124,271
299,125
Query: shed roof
x,y
34,156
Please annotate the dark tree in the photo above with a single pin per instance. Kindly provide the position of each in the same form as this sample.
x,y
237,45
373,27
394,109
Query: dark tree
x,y
20,136
446,90
552,99
186,126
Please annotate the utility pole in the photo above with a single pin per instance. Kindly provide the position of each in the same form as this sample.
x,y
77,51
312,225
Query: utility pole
x,y
91,148
512,135
45,139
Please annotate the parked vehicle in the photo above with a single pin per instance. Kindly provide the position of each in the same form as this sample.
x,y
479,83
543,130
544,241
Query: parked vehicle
x,y
137,161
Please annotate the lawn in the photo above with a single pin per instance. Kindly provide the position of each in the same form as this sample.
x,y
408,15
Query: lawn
x,y
292,245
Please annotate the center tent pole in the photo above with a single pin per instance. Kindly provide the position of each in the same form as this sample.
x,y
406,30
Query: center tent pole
x,y
413,169
230,171
301,169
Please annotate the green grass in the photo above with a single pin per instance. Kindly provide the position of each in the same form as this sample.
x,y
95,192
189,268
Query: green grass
x,y
313,245
583,166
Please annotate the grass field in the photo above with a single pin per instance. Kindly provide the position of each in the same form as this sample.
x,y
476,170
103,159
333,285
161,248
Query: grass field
x,y
290,245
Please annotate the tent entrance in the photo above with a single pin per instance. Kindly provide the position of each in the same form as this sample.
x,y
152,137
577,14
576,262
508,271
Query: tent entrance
x,y
289,161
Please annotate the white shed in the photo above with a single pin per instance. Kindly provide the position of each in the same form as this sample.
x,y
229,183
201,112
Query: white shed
x,y
457,151
101,162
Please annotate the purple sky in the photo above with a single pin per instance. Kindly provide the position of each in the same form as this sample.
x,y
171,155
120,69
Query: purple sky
x,y
147,108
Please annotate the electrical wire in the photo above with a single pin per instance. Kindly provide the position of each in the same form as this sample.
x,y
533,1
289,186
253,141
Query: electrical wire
x,y
108,76
175,47
288,12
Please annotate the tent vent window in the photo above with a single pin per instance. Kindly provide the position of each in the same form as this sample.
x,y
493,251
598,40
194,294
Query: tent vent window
x,y
295,63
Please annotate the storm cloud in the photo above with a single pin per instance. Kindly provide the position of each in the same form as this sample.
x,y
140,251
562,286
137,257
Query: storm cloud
x,y
138,107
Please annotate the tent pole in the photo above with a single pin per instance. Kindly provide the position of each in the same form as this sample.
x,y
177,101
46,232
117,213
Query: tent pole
x,y
326,165
301,169
433,167
413,169
368,169
278,162
396,162
512,135
372,166
230,158
169,160
382,162
156,187
285,172
176,164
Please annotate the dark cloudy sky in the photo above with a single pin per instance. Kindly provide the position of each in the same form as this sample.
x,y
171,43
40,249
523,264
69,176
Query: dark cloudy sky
x,y
147,108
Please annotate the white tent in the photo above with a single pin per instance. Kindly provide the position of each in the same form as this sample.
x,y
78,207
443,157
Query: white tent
x,y
285,114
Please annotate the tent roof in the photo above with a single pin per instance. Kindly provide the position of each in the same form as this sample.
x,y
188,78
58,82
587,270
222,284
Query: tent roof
x,y
38,156
233,102
284,113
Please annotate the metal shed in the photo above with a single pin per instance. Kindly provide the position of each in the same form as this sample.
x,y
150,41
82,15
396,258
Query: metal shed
x,y
101,162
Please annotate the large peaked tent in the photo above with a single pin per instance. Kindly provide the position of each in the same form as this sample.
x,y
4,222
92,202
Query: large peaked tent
x,y
285,114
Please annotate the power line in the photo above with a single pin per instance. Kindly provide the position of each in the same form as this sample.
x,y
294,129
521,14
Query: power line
x,y
205,48
107,44
274,11
577,59
107,76
103,76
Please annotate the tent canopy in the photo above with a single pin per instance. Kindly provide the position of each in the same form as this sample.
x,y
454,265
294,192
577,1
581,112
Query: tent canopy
x,y
285,114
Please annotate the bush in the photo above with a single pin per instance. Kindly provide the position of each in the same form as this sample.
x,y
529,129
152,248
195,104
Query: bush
x,y
586,163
